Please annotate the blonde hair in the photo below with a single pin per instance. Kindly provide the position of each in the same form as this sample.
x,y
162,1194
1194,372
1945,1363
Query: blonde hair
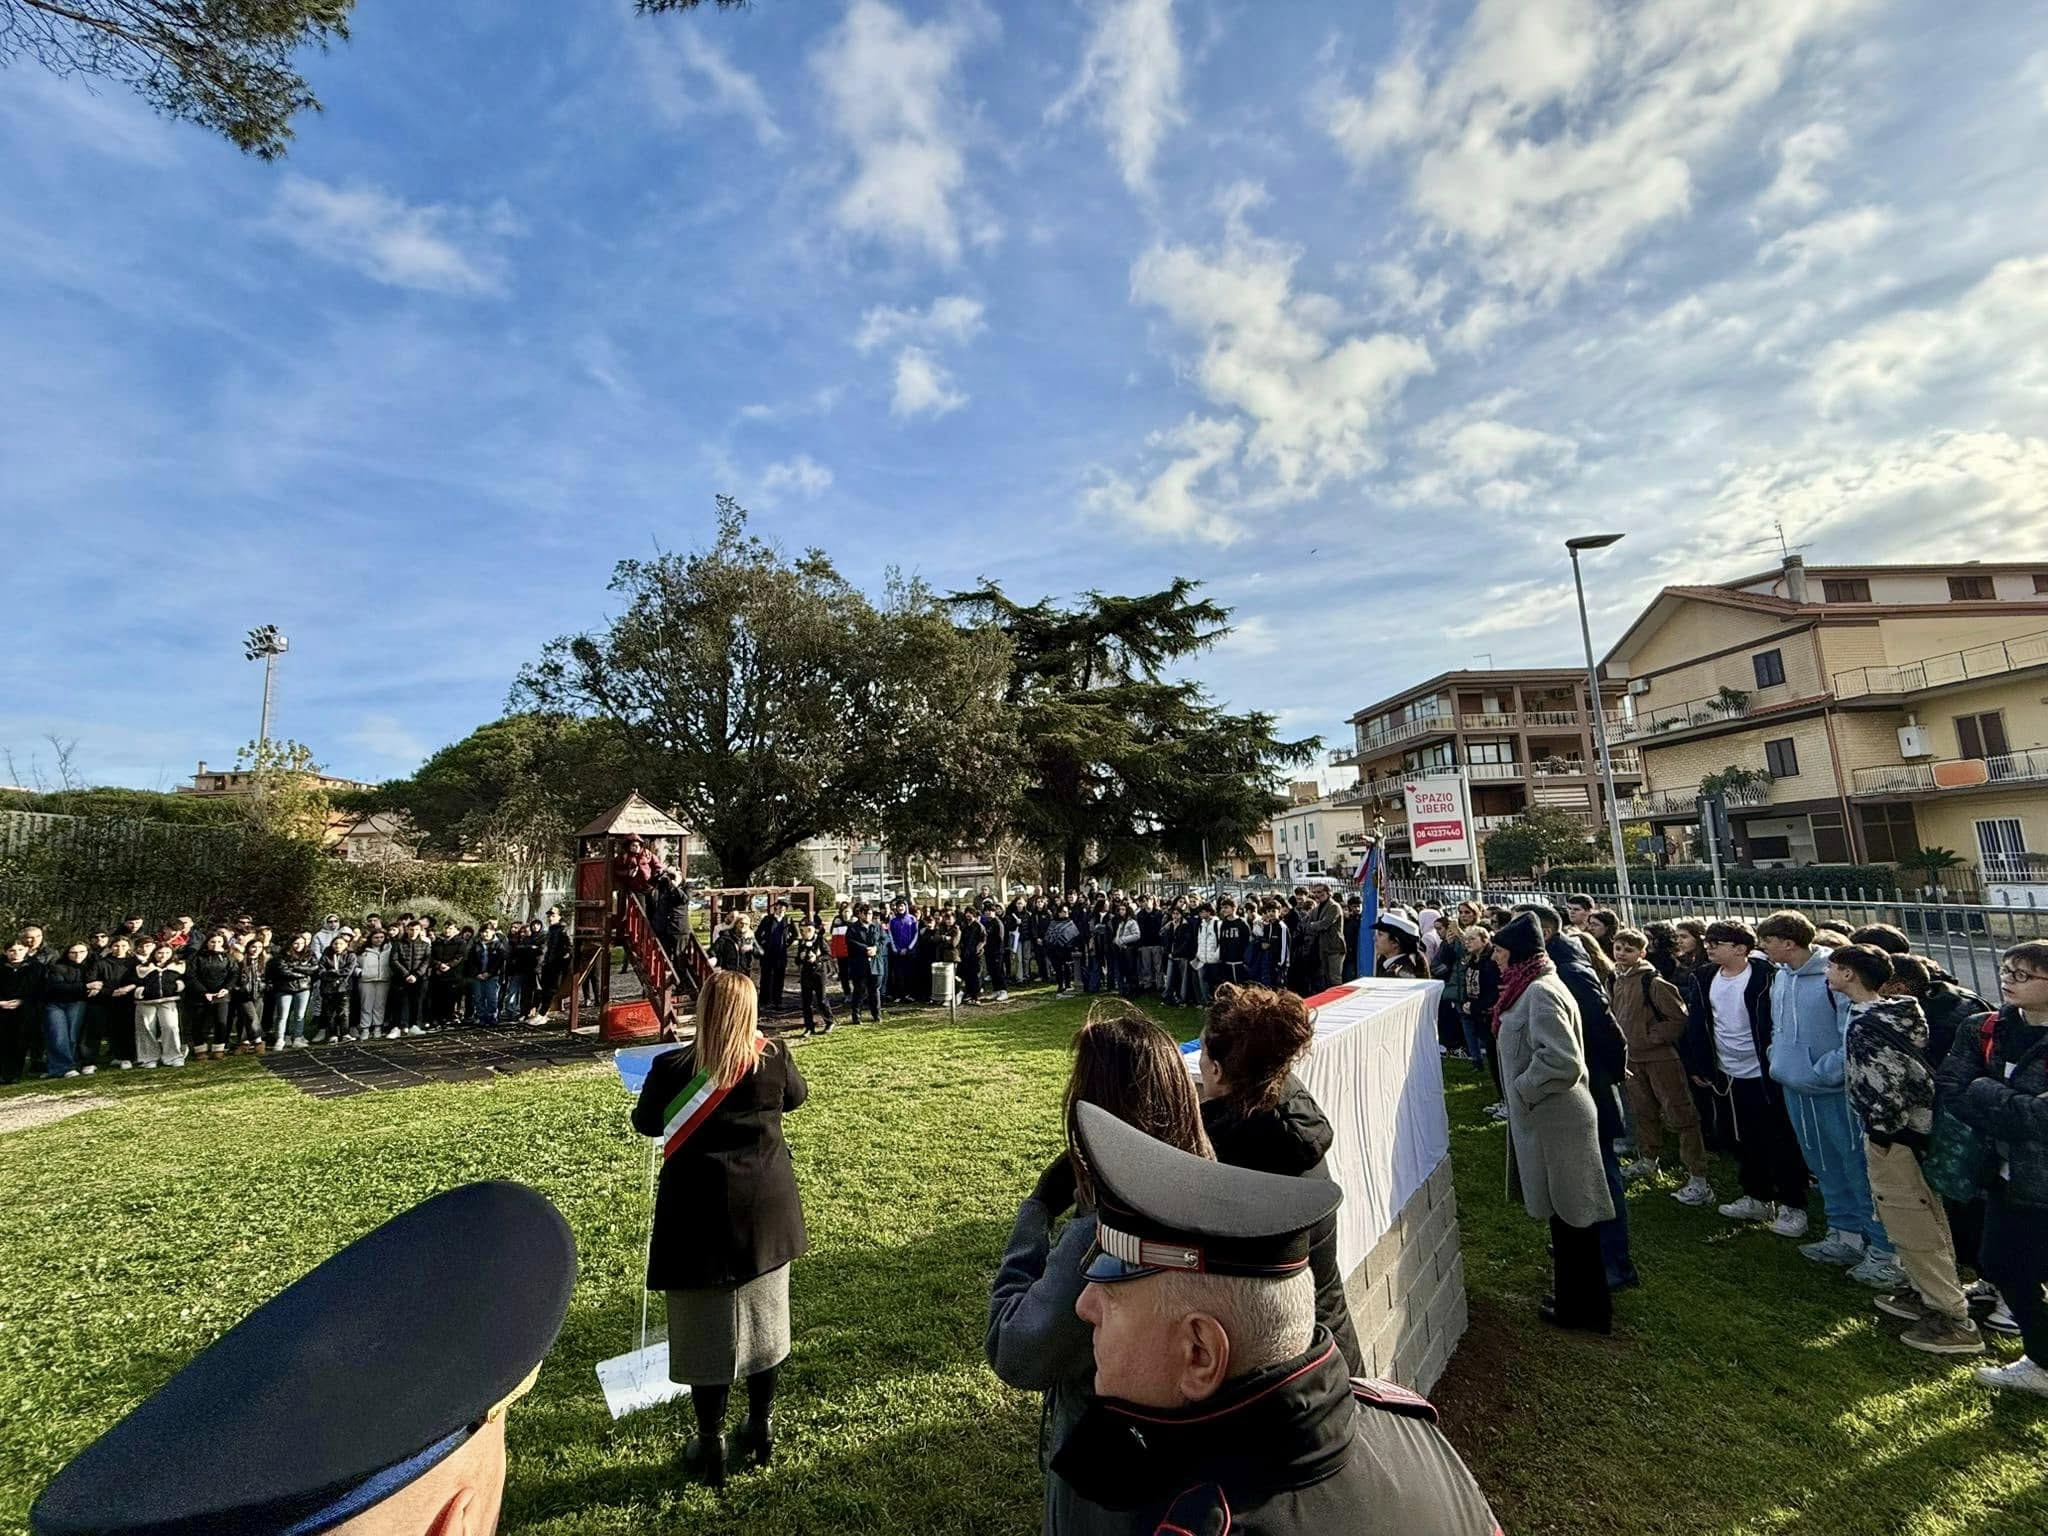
x,y
728,1018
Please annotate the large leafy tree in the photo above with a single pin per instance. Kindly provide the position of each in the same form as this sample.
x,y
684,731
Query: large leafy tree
x,y
770,700
514,791
1126,764
227,65
1540,836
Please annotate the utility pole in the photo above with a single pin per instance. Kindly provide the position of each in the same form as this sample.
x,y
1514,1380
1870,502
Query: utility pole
x,y
1621,886
265,642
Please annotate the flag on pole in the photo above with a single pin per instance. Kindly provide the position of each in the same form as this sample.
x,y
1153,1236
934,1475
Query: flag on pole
x,y
1369,888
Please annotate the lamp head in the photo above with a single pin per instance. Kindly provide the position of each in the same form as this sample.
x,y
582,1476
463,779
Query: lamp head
x,y
1593,541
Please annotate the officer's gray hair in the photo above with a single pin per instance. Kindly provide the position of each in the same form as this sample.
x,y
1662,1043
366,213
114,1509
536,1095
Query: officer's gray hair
x,y
1267,1320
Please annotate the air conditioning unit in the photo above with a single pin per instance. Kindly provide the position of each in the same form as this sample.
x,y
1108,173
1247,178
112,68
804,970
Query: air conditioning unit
x,y
1638,686
1913,741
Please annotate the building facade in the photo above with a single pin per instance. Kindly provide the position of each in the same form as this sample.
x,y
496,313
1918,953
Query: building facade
x,y
1318,836
1867,711
1524,736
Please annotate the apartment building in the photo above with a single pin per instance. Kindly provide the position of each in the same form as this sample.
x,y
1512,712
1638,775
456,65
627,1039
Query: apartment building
x,y
217,783
1317,835
1870,711
1525,737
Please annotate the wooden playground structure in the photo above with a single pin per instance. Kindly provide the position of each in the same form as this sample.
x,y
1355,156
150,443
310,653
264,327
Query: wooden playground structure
x,y
609,911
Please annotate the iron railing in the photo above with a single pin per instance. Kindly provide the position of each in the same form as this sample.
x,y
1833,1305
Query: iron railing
x,y
1964,937
1949,667
1711,710
2028,767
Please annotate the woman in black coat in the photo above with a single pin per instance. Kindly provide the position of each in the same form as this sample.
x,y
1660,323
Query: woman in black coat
x,y
1259,1115
727,1219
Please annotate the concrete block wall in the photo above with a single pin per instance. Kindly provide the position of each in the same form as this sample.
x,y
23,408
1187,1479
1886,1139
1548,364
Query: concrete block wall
x,y
1408,1297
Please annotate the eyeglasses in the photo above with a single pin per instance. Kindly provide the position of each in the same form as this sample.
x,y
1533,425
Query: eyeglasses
x,y
2008,973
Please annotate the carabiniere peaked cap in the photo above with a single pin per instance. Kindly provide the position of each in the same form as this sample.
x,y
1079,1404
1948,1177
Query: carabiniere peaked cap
x,y
1159,1208
331,1396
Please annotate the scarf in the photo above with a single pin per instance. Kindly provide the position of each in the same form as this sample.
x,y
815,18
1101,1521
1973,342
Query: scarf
x,y
1516,982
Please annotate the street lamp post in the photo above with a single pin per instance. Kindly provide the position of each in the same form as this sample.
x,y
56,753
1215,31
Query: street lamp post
x,y
1584,542
265,642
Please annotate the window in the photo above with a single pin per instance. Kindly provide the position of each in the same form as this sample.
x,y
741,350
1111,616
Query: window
x,y
1770,668
2002,848
1781,757
1888,832
2041,584
1437,756
1770,847
1489,751
1830,841
1970,589
1981,735
1846,590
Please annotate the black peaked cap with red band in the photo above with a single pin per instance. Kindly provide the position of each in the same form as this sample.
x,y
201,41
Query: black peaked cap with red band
x,y
1161,1209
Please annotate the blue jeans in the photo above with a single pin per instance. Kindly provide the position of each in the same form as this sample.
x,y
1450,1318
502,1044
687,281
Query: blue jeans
x,y
1832,1143
515,995
483,1001
288,1014
61,1024
1478,1035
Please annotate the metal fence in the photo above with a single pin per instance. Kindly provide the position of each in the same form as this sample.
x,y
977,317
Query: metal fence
x,y
1966,937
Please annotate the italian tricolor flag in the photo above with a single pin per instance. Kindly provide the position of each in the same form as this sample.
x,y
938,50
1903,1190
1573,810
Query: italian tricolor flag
x,y
693,1105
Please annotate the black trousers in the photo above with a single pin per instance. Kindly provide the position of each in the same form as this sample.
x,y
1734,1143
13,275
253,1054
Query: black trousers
x,y
442,989
2014,1257
402,1009
774,975
970,977
816,999
210,1022
15,1025
1766,1150
1578,1279
862,986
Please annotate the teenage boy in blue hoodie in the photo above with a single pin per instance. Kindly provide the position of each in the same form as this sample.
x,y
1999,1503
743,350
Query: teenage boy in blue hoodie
x,y
1809,1026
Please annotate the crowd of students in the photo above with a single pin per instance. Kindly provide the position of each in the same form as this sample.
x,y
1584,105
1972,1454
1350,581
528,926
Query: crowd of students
x,y
133,996
871,954
1820,1060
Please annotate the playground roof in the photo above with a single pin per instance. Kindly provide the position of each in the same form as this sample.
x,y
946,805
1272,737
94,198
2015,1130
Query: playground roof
x,y
635,817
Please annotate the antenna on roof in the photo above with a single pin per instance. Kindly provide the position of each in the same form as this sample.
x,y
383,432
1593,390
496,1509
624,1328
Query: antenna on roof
x,y
1784,549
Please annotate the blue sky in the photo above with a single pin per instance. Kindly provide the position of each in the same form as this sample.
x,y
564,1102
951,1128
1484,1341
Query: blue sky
x,y
1352,312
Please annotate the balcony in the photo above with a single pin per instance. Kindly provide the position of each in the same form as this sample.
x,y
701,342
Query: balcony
x,y
1686,802
1712,710
1407,730
1626,765
1494,771
1344,757
2029,767
1950,667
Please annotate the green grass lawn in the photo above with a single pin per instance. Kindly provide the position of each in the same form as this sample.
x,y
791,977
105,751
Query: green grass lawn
x,y
1745,1392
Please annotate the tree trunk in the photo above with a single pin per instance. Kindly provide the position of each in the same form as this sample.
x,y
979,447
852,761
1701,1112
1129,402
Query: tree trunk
x,y
1070,868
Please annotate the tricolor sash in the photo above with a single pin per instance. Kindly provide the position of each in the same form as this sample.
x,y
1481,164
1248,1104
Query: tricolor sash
x,y
693,1105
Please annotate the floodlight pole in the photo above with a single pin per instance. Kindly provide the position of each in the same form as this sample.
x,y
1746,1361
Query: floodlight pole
x,y
1593,702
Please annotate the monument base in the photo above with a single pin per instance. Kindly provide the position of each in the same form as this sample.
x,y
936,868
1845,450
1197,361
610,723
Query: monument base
x,y
1408,1297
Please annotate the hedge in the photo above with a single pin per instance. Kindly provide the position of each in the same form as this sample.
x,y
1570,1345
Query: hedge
x,y
73,874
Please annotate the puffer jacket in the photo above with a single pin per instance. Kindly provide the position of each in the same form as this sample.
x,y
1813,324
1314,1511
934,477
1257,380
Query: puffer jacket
x,y
374,963
154,984
1891,1085
64,981
337,973
1949,1008
1807,1024
2006,1098
291,974
1292,1139
211,973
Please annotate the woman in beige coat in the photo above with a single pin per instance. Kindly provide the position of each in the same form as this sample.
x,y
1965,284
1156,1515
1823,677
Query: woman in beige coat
x,y
1553,1127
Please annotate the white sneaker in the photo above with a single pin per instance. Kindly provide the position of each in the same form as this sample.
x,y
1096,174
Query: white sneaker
x,y
87,1071
1697,1191
150,1066
417,1029
72,1073
1002,997
1749,1208
1843,1248
2020,1376
1880,1271
1498,1111
1999,1320
393,1033
321,1038
125,1066
1791,1222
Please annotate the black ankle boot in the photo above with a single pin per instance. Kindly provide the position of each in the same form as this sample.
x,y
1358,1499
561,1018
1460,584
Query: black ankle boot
x,y
760,1439
704,1459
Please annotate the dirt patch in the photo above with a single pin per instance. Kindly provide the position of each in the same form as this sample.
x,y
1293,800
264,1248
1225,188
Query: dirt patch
x,y
32,1110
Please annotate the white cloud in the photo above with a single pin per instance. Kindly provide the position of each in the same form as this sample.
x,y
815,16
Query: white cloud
x,y
1828,239
923,387
1313,396
1131,76
802,474
2035,73
1513,606
1558,133
670,53
1484,320
1999,326
952,318
1477,459
1184,499
433,247
891,93
1800,158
